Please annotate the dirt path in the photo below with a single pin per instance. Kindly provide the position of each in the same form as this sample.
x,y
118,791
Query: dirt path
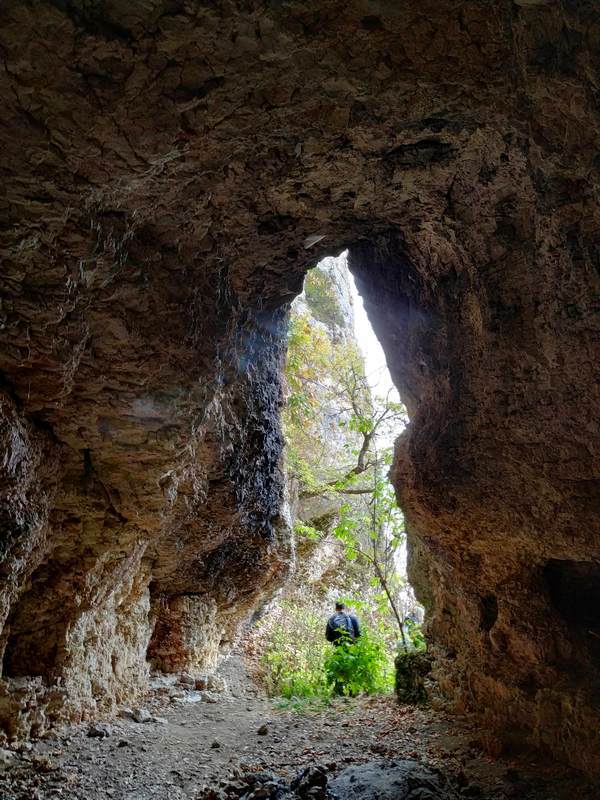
x,y
196,738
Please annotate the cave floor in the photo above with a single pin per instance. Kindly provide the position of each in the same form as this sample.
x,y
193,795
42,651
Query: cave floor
x,y
197,743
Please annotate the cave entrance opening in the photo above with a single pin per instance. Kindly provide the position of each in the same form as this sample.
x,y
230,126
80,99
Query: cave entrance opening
x,y
382,387
574,590
332,298
341,418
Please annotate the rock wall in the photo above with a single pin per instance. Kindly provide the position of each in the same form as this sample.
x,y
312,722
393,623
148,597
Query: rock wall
x,y
166,165
484,473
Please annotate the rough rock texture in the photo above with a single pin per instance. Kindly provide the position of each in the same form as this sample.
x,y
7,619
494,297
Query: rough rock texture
x,y
400,779
412,669
186,634
164,164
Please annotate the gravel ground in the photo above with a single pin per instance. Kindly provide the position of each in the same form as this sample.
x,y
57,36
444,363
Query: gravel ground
x,y
190,738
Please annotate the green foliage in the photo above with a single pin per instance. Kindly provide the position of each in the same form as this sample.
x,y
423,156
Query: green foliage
x,y
321,298
359,667
293,659
308,357
306,532
302,469
321,429
298,664
339,448
372,531
415,635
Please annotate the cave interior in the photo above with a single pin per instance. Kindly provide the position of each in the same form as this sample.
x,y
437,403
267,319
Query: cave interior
x,y
172,169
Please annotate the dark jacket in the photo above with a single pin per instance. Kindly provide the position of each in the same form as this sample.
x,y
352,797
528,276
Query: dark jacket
x,y
340,625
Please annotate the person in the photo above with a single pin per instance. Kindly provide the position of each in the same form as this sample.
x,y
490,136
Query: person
x,y
342,626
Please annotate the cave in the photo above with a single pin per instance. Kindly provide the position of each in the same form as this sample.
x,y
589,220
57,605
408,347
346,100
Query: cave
x,y
171,171
574,589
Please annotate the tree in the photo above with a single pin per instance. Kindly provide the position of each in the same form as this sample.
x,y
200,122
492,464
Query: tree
x,y
339,445
372,529
332,421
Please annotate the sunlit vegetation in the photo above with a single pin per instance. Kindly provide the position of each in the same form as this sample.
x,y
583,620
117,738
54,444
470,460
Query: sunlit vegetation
x,y
339,450
299,663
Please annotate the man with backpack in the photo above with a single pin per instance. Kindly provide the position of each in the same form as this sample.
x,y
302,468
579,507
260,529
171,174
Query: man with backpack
x,y
341,627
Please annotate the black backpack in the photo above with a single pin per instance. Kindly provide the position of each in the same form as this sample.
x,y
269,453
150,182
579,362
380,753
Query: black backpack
x,y
341,625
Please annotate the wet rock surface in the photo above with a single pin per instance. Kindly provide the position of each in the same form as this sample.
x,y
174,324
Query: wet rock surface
x,y
170,170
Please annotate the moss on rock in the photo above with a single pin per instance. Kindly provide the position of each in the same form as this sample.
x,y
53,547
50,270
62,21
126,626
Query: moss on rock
x,y
411,670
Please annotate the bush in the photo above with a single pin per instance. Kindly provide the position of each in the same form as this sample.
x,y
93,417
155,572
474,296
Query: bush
x,y
297,661
292,662
359,667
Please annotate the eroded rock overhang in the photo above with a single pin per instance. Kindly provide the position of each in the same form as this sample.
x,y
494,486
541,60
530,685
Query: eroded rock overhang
x,y
165,166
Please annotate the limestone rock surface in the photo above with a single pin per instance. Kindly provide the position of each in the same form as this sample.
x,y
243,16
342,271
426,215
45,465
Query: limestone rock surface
x,y
171,169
